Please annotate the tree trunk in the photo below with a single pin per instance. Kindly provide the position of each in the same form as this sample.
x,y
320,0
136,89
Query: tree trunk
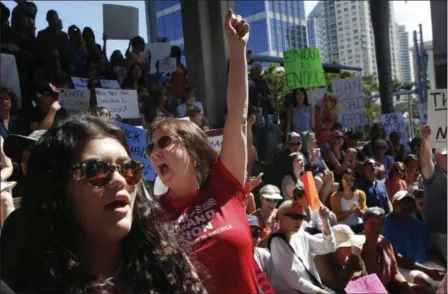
x,y
379,11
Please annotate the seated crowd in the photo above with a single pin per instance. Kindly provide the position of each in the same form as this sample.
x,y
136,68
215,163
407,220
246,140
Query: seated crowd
x,y
87,224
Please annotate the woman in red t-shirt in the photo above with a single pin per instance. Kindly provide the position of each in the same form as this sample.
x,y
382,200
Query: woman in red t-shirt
x,y
206,189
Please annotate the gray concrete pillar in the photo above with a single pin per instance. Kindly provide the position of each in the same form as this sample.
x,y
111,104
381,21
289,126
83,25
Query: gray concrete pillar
x,y
207,53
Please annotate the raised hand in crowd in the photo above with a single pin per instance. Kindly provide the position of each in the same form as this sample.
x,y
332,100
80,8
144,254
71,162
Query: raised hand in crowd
x,y
55,106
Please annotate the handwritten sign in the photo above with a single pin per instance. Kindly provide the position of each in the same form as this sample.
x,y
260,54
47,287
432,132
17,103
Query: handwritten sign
x,y
110,84
121,102
367,284
137,141
349,93
303,68
316,96
215,138
167,64
311,191
75,100
437,117
395,122
9,76
80,83
157,52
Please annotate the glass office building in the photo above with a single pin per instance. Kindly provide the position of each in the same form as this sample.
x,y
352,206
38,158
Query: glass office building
x,y
275,26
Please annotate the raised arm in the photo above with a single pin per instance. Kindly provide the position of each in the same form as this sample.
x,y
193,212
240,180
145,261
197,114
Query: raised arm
x,y
234,148
426,154
7,167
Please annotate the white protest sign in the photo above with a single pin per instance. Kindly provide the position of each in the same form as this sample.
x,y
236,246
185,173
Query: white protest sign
x,y
120,102
215,138
120,22
80,83
158,51
316,96
437,117
168,64
9,76
110,84
395,122
75,100
349,93
137,141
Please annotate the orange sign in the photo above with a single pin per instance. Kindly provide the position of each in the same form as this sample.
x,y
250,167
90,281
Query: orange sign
x,y
311,191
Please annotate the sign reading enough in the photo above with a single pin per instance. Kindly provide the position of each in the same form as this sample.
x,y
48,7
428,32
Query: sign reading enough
x,y
303,68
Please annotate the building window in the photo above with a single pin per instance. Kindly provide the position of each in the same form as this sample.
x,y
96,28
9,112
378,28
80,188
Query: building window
x,y
346,9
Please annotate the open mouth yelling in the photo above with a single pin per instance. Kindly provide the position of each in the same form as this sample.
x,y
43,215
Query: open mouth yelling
x,y
120,205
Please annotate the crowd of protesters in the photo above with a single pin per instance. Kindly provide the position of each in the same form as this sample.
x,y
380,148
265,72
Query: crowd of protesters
x,y
234,221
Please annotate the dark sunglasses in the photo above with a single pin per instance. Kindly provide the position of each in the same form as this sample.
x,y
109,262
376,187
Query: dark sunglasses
x,y
99,173
295,144
295,216
270,200
161,143
348,179
382,147
255,231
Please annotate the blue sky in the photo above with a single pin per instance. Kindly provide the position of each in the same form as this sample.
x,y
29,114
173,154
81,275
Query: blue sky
x,y
89,13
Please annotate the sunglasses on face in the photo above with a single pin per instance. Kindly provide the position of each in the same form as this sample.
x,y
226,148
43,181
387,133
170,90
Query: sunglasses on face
x,y
270,200
99,173
160,143
348,179
295,216
295,144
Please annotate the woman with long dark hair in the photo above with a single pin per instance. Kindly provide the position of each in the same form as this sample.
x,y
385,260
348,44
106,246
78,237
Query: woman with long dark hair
x,y
88,226
78,52
302,116
93,49
205,200
134,53
135,79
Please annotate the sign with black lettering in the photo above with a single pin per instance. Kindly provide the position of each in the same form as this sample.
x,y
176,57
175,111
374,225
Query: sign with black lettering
x,y
394,122
437,117
303,68
137,141
75,100
120,102
349,93
215,138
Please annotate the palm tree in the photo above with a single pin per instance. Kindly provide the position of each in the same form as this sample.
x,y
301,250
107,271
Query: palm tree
x,y
379,11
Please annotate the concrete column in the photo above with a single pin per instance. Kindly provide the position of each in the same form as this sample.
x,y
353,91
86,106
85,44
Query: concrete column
x,y
207,53
151,21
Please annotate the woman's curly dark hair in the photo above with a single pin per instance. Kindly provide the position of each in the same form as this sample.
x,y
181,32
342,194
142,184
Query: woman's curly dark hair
x,y
152,257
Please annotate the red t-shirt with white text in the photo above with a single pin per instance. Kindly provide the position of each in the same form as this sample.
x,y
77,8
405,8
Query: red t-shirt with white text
x,y
215,223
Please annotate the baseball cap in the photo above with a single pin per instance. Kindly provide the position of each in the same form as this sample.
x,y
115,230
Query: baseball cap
x,y
345,237
293,135
14,144
270,192
49,90
369,161
400,195
253,221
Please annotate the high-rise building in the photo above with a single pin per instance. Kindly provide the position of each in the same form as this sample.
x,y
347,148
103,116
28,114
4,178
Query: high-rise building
x,y
347,35
405,58
275,26
316,30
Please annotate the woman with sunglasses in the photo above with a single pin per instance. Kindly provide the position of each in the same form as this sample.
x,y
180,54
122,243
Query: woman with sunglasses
x,y
396,180
383,160
349,204
205,201
87,225
337,159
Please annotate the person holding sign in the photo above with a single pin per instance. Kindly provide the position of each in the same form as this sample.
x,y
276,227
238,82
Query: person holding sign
x,y
301,115
211,186
435,191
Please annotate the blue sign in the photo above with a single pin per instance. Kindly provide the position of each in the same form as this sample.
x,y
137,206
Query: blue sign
x,y
137,141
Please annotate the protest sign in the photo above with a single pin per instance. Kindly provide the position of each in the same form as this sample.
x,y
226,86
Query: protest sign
x,y
316,96
349,93
120,102
366,284
157,51
168,64
215,138
137,141
9,76
80,83
395,122
311,191
110,84
120,22
437,117
303,68
75,100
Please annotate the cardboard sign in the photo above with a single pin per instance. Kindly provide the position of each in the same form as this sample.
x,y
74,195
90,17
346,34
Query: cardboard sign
x,y
75,100
9,76
437,117
316,96
215,138
367,284
80,83
120,22
121,102
158,51
395,122
349,93
303,68
137,141
110,84
311,191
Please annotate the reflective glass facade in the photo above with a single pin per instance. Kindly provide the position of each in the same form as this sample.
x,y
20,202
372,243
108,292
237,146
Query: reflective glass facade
x,y
275,26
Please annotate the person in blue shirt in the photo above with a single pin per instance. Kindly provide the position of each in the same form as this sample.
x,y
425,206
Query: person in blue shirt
x,y
411,243
376,192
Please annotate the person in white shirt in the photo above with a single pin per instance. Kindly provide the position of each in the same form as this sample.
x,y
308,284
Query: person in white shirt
x,y
292,251
190,102
261,255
